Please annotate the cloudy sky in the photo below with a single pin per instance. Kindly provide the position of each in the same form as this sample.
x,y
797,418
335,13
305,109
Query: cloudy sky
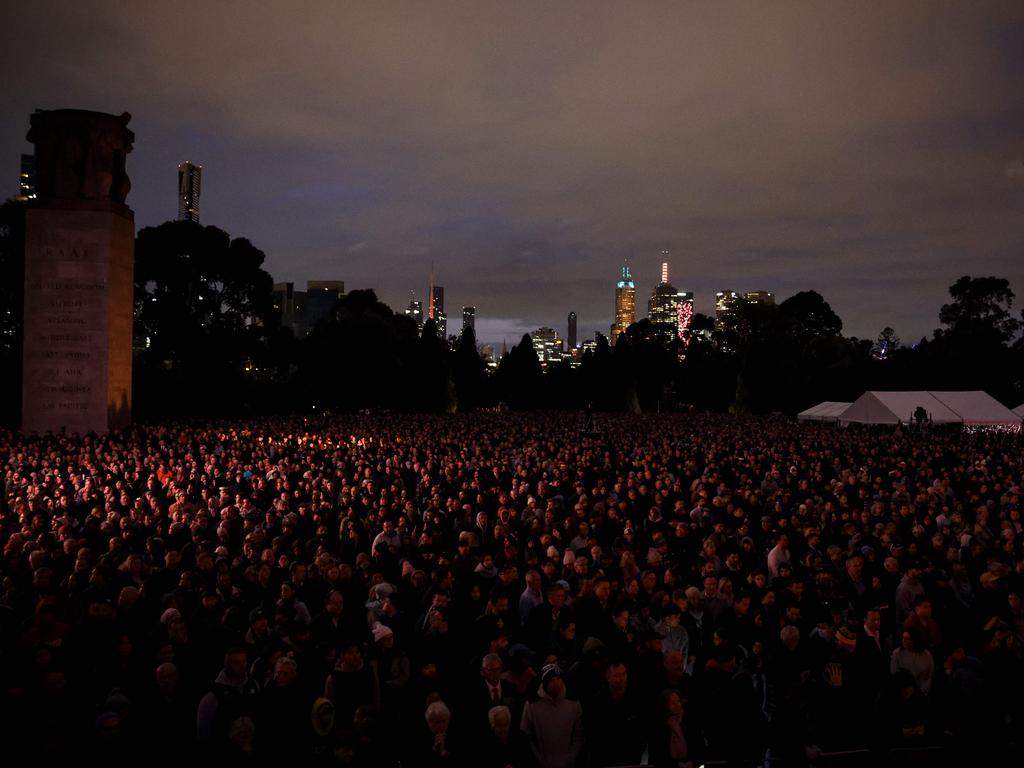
x,y
873,151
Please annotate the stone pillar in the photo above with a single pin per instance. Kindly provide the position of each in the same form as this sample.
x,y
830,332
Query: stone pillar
x,y
79,286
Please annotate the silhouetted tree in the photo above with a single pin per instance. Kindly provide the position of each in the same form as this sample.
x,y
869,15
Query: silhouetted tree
x,y
974,350
520,376
601,384
981,309
202,311
362,355
810,317
766,352
435,390
468,372
648,364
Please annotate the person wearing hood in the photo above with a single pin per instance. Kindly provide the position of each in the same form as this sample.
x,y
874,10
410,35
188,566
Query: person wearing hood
x,y
553,724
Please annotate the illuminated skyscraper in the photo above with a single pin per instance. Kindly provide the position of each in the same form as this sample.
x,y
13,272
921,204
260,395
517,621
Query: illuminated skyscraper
x,y
468,318
663,307
572,331
625,304
547,345
727,309
190,178
435,310
415,311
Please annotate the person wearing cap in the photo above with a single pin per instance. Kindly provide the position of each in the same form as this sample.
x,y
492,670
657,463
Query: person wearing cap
x,y
553,724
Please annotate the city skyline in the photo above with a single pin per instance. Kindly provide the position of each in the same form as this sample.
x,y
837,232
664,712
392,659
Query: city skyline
x,y
868,152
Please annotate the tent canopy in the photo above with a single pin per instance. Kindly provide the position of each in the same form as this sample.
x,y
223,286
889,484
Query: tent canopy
x,y
1019,410
896,408
970,407
978,408
829,410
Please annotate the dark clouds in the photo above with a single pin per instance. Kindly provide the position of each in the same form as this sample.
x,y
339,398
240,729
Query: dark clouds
x,y
871,151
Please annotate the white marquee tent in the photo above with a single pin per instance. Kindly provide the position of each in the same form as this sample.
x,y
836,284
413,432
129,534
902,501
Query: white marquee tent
x,y
970,408
826,411
1019,410
978,408
896,408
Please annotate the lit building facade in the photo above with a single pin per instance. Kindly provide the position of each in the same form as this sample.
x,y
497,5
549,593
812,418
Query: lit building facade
x,y
415,311
727,309
190,187
469,318
625,304
547,345
663,307
435,310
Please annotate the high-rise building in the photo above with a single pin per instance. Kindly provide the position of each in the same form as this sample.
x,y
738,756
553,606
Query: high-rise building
x,y
625,304
663,307
469,318
289,304
415,311
547,345
435,310
727,309
572,331
764,298
27,179
321,296
190,182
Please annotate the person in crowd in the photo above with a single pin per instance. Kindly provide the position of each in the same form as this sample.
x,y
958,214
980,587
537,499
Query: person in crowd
x,y
553,724
914,658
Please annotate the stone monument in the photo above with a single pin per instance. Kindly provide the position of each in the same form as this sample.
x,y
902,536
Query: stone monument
x,y
79,287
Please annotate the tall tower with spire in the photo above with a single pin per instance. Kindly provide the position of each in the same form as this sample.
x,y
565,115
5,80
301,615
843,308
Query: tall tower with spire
x,y
663,306
625,304
435,307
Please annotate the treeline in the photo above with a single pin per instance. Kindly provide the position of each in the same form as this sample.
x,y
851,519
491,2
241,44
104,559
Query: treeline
x,y
209,342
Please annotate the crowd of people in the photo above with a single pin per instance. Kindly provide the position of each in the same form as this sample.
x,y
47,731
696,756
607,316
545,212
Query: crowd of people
x,y
511,590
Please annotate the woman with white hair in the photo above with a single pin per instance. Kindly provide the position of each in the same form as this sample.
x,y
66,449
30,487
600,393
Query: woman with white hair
x,y
504,746
436,748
